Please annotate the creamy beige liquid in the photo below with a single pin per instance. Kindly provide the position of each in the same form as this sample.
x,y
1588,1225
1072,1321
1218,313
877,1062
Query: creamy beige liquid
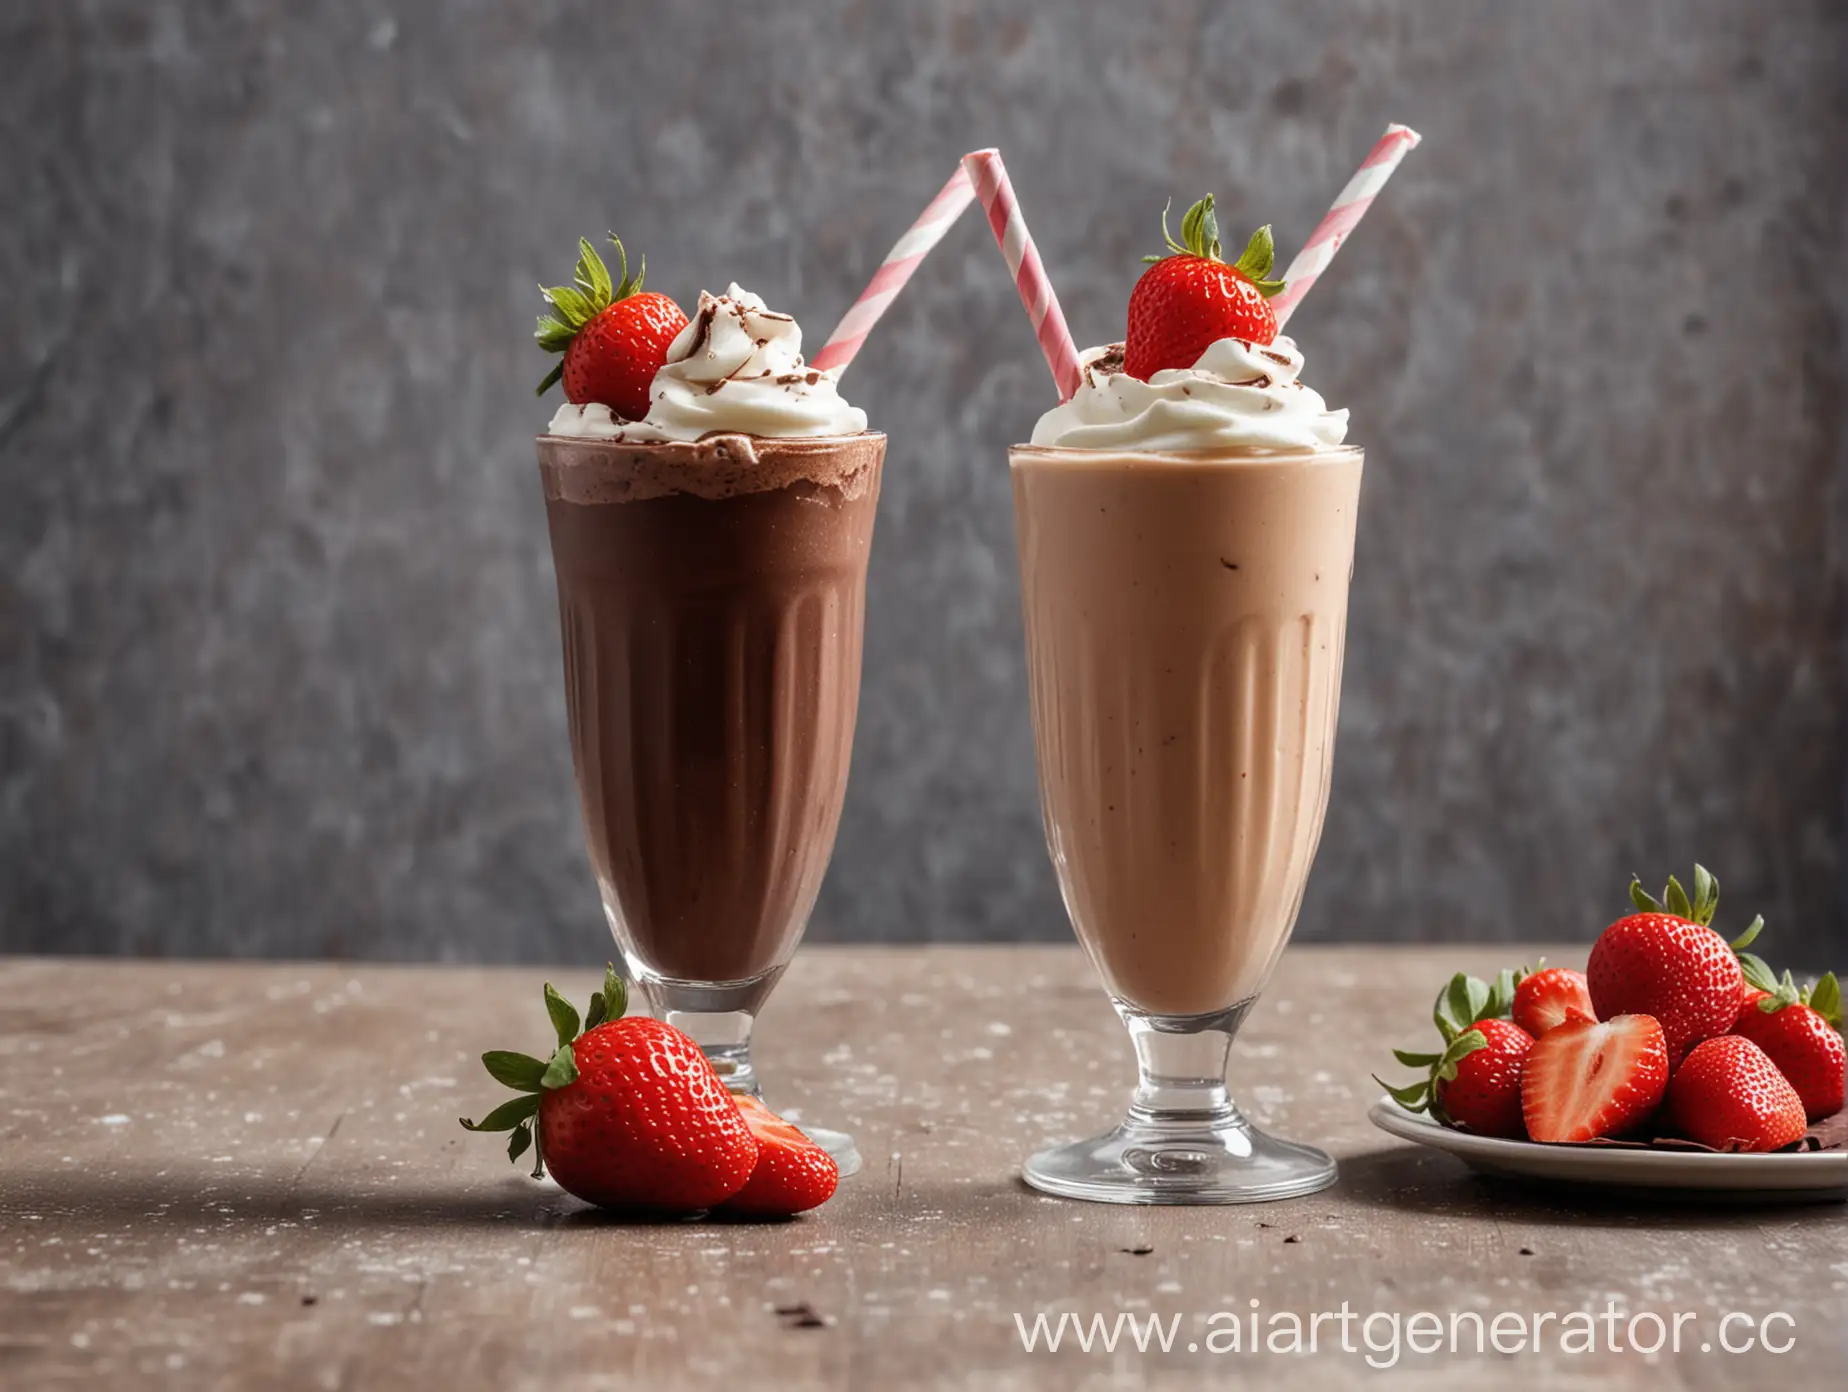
x,y
1185,621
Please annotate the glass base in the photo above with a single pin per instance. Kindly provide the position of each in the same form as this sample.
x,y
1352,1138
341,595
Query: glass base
x,y
1186,1161
839,1145
1183,1141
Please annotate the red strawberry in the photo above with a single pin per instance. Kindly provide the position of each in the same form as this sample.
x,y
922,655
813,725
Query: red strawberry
x,y
1485,1095
630,1113
793,1173
1191,299
1550,997
1794,1031
1668,963
1586,1079
1475,1083
1730,1096
614,338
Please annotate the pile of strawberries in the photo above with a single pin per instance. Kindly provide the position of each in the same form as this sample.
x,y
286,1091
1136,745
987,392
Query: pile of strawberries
x,y
629,1114
1670,1031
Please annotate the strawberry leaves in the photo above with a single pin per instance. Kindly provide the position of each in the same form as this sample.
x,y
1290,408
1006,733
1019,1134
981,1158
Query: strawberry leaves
x,y
1199,232
610,1003
518,1071
1255,264
532,1078
1824,997
575,305
592,276
1757,971
1700,909
1422,1095
564,1015
508,1115
561,1071
1466,1000
1200,237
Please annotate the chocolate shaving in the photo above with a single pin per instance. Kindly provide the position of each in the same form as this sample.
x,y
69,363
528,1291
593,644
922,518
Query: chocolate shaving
x,y
1106,364
702,326
800,1315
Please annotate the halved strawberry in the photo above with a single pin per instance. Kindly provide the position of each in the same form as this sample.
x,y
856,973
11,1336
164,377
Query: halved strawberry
x,y
1550,997
1586,1079
792,1173
1730,1096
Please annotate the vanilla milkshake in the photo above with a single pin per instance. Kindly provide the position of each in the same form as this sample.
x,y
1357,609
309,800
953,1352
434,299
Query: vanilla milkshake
x,y
1185,549
1186,542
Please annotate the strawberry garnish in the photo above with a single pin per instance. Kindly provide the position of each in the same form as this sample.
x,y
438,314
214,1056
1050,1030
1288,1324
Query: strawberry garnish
x,y
1190,299
792,1173
1550,997
1729,1095
1800,1032
614,337
1585,1080
1474,1084
628,1112
1666,961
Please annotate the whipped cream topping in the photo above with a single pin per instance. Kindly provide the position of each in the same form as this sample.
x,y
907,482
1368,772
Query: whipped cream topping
x,y
1239,395
736,368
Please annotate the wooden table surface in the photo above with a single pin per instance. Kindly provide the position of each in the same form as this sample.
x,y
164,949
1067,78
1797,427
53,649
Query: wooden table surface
x,y
250,1176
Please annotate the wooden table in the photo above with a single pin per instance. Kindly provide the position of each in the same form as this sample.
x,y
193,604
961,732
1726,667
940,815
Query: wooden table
x,y
250,1176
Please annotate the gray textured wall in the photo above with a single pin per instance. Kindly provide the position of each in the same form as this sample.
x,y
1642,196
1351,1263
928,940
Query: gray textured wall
x,y
278,658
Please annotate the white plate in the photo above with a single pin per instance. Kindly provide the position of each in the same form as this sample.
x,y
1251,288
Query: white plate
x,y
1816,1174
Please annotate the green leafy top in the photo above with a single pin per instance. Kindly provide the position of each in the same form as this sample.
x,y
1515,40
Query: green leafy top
x,y
575,305
532,1078
1465,1002
1824,997
1200,237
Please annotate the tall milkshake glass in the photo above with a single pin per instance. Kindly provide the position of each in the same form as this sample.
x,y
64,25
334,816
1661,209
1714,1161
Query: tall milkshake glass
x,y
1185,617
711,597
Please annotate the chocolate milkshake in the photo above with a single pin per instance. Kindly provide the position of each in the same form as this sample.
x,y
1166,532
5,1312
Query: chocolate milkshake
x,y
1185,618
711,559
711,598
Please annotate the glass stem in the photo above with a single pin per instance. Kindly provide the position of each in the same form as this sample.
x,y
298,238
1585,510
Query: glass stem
x,y
725,1038
1181,1065
719,1016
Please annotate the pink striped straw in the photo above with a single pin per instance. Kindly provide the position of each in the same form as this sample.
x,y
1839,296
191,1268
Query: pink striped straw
x,y
1335,228
936,219
989,176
